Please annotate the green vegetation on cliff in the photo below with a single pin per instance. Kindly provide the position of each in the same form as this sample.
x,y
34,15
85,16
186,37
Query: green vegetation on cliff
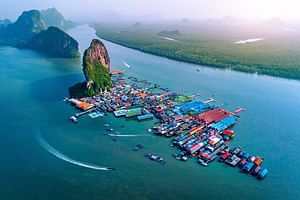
x,y
99,76
28,24
30,31
80,90
96,71
53,42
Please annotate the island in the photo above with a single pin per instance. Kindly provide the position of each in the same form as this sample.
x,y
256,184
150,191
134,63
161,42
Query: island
x,y
53,17
96,69
32,31
54,42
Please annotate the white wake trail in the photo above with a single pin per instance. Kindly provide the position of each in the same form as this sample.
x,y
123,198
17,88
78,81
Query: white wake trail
x,y
126,64
61,156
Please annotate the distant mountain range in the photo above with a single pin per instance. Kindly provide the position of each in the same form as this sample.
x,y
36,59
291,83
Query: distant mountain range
x,y
53,17
273,23
4,22
34,29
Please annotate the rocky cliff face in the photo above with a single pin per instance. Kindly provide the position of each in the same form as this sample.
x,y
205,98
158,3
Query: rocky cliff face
x,y
96,53
53,17
96,70
54,42
96,67
30,31
27,25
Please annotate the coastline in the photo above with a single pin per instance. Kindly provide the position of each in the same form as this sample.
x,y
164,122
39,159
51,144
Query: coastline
x,y
267,72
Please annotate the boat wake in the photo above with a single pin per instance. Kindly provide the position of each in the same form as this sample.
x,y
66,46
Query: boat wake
x,y
61,156
119,135
169,38
126,64
249,40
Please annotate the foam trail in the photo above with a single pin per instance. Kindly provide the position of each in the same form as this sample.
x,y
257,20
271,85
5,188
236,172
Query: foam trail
x,y
61,156
126,64
119,135
168,38
249,40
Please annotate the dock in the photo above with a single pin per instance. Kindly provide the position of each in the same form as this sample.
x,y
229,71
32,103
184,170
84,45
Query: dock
x,y
85,112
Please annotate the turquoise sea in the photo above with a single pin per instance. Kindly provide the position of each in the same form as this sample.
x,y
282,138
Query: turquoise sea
x,y
32,88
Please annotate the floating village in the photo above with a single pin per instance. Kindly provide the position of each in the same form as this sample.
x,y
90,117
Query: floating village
x,y
200,130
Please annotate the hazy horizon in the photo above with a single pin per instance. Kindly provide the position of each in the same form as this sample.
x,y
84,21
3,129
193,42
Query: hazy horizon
x,y
93,10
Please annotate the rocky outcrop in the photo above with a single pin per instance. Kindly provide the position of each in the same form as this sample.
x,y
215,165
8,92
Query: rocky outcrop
x,y
96,69
53,17
28,24
96,53
30,31
54,42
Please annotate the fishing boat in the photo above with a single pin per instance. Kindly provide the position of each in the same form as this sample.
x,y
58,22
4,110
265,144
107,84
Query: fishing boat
x,y
138,147
74,119
236,150
156,158
258,161
224,156
255,170
202,162
261,175
233,161
248,166
242,163
184,158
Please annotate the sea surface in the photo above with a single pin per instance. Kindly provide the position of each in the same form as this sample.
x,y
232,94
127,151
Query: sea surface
x,y
44,156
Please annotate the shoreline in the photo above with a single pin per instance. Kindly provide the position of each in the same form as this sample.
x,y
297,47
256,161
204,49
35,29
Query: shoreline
x,y
278,74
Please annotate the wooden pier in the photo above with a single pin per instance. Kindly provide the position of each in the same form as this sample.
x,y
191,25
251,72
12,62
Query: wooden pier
x,y
85,112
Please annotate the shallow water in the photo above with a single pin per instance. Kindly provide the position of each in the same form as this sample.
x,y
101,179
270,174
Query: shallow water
x,y
32,88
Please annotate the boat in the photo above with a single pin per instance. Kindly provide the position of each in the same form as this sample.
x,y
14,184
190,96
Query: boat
x,y
138,147
236,150
240,154
233,161
261,175
242,163
74,119
229,133
248,166
184,158
202,162
246,155
224,156
258,161
156,158
255,170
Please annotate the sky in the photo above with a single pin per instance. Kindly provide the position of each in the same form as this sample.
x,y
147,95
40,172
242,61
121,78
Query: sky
x,y
98,10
